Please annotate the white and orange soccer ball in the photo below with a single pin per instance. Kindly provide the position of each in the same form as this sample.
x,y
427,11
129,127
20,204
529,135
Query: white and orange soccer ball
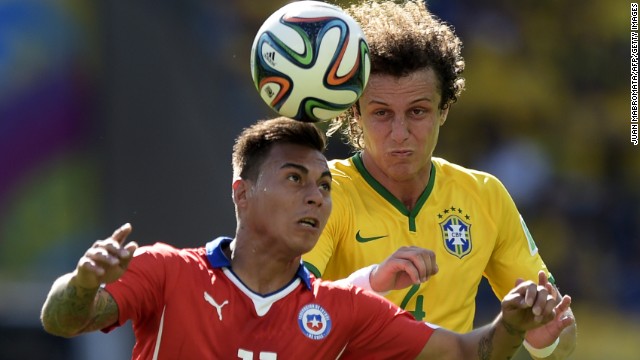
x,y
310,61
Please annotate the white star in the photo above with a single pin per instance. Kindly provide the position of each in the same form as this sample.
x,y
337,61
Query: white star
x,y
314,322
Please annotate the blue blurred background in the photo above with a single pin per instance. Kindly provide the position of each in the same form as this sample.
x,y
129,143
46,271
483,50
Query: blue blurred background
x,y
126,111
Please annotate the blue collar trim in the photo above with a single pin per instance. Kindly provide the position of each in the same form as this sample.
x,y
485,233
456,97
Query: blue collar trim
x,y
217,258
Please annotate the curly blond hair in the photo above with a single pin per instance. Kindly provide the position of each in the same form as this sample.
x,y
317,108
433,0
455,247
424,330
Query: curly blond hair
x,y
404,37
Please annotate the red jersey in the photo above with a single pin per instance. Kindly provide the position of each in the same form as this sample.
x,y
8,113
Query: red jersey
x,y
188,304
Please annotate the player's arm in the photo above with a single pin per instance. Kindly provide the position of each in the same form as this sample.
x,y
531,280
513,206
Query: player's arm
x,y
526,307
407,266
516,255
71,310
76,303
552,341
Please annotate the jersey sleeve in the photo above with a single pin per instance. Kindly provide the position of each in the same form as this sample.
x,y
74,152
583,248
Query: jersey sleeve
x,y
516,254
139,291
384,331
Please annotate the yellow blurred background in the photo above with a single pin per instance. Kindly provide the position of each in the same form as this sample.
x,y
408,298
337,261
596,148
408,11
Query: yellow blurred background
x,y
114,112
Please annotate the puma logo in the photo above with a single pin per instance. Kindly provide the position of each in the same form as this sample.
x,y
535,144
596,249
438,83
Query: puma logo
x,y
218,307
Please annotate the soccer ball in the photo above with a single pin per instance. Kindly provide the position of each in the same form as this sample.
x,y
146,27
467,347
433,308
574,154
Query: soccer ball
x,y
310,61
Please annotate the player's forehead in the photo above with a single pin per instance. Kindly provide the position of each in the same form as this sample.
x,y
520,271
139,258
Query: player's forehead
x,y
422,84
285,155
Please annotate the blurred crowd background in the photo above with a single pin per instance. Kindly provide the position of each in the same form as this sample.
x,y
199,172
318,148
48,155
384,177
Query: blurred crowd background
x,y
126,111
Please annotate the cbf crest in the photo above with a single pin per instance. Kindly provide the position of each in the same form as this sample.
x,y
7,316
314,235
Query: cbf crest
x,y
456,234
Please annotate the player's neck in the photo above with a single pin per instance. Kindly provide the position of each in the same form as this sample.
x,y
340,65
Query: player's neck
x,y
406,189
260,270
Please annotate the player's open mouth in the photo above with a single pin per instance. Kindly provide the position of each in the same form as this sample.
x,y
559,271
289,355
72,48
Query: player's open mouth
x,y
311,222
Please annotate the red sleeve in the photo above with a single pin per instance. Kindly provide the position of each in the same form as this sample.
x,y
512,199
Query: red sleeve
x,y
383,330
139,292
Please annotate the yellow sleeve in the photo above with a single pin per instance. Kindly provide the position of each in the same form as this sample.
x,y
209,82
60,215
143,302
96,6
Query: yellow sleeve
x,y
515,254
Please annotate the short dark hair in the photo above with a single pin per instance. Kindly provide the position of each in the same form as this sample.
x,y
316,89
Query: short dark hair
x,y
254,142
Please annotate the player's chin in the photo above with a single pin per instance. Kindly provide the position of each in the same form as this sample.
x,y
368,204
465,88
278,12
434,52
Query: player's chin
x,y
401,172
308,237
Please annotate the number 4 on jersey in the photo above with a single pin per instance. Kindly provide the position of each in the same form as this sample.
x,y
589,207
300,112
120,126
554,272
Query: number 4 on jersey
x,y
418,312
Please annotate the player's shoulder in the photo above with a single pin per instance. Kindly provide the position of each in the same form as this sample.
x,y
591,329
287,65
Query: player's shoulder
x,y
342,289
335,288
341,167
164,251
451,172
156,248
345,177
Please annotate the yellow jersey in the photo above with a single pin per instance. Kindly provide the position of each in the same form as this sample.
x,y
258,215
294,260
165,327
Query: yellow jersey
x,y
466,217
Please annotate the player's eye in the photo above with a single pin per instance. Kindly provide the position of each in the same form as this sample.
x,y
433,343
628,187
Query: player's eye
x,y
380,113
417,112
294,177
326,186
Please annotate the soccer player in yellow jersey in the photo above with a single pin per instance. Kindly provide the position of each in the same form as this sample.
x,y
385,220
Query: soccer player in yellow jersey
x,y
397,206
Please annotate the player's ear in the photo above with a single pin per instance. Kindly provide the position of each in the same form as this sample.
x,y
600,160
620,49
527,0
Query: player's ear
x,y
240,188
443,114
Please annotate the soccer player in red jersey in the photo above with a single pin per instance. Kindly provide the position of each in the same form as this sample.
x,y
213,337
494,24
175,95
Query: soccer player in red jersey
x,y
250,297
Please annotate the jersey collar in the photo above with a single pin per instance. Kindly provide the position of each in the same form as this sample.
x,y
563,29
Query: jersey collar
x,y
217,259
358,162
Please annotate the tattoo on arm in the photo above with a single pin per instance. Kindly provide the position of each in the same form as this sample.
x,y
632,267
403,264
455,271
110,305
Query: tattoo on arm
x,y
485,346
73,310
105,312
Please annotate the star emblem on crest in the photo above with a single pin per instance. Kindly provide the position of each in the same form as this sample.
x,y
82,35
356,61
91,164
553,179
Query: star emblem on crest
x,y
456,231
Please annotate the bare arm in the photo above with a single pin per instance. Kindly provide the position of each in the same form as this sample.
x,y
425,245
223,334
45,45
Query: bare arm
x,y
407,266
544,336
70,310
76,303
527,306
567,344
494,341
568,338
